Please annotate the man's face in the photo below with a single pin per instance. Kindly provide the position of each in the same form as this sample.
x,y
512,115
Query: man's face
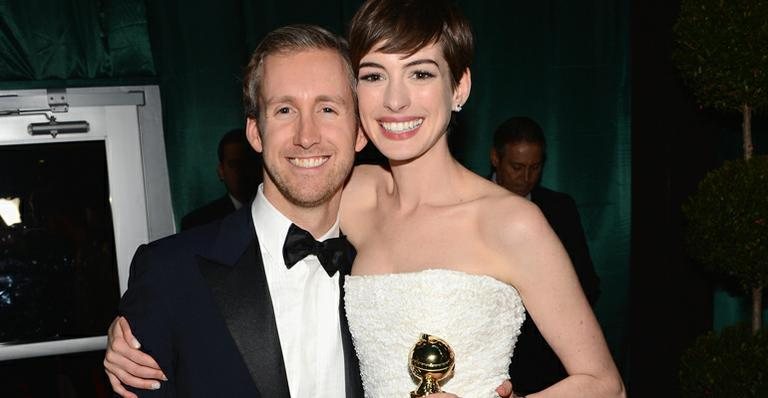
x,y
307,132
237,170
518,167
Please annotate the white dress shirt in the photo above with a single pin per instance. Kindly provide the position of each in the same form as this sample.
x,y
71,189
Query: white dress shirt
x,y
306,305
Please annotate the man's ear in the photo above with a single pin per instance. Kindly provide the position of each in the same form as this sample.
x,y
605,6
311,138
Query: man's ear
x,y
220,171
253,134
494,158
361,140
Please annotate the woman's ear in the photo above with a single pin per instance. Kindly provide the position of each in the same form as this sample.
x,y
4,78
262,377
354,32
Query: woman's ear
x,y
461,93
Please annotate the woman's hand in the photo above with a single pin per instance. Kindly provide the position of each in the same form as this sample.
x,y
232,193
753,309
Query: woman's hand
x,y
125,364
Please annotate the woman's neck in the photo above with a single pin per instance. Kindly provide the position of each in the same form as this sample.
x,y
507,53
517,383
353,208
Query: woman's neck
x,y
433,178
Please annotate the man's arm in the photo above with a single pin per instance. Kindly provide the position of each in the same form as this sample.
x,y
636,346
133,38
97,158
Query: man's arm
x,y
144,305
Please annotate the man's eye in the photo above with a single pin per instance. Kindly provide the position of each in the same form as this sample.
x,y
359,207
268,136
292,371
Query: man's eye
x,y
328,109
283,110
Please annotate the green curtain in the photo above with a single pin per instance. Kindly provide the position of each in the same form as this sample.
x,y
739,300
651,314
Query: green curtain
x,y
563,63
73,39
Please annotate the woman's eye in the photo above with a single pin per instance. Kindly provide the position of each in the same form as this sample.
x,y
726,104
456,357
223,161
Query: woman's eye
x,y
370,77
421,74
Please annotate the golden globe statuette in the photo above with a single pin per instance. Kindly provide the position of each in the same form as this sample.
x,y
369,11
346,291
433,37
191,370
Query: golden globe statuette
x,y
431,361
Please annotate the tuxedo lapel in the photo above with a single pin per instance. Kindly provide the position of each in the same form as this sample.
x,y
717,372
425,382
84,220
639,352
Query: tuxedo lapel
x,y
235,273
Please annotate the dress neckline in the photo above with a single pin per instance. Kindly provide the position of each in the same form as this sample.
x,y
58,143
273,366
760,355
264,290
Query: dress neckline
x,y
450,272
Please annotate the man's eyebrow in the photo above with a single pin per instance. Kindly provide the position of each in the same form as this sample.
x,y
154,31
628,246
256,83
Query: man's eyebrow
x,y
320,98
282,98
331,98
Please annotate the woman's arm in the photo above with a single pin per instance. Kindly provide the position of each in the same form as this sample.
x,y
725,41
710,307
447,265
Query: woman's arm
x,y
543,275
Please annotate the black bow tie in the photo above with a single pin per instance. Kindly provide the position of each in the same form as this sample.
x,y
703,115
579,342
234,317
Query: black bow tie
x,y
335,254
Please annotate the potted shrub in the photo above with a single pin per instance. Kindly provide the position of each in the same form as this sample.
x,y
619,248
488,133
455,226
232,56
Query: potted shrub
x,y
721,54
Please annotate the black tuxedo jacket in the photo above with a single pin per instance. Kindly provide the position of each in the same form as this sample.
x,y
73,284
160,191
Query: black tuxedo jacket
x,y
199,303
534,365
208,213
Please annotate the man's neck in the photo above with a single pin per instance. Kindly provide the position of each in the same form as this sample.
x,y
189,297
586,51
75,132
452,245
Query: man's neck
x,y
317,220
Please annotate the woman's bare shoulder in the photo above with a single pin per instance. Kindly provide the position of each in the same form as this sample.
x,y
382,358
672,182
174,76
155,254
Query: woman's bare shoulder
x,y
361,193
511,219
367,177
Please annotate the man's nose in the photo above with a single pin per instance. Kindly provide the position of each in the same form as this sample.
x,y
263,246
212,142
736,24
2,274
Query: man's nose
x,y
307,133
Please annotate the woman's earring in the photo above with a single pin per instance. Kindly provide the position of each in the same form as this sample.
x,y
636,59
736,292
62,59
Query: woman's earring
x,y
457,108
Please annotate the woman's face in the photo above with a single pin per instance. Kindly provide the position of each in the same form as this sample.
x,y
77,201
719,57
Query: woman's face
x,y
406,101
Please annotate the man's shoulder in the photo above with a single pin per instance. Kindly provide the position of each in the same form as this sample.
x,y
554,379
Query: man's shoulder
x,y
183,243
548,196
208,212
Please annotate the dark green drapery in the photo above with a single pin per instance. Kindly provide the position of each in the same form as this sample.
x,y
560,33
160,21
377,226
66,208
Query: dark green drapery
x,y
563,63
73,39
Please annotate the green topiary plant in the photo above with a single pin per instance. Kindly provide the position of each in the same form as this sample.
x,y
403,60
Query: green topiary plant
x,y
728,225
721,54
731,364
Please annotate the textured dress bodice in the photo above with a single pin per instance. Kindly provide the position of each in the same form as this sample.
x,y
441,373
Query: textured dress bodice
x,y
477,315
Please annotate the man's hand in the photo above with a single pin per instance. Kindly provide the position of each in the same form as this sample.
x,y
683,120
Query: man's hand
x,y
125,364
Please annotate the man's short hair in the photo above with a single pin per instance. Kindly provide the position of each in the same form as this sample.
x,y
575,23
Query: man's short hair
x,y
234,136
406,26
286,40
518,129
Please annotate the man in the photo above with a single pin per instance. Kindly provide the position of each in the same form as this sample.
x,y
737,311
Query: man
x,y
518,156
238,170
229,310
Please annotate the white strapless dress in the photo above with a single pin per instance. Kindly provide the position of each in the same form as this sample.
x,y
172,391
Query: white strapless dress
x,y
478,316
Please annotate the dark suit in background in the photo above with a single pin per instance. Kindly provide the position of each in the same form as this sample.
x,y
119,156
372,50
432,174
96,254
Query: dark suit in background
x,y
199,303
240,169
534,365
210,212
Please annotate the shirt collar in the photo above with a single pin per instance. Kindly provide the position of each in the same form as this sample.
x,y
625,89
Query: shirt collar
x,y
272,226
238,204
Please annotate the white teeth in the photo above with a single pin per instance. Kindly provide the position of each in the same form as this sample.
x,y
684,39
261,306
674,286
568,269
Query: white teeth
x,y
308,162
401,127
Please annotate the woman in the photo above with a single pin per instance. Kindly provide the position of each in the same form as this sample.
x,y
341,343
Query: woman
x,y
441,250
445,251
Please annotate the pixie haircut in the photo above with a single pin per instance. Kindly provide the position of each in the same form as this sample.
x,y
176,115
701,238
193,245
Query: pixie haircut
x,y
406,26
518,129
286,40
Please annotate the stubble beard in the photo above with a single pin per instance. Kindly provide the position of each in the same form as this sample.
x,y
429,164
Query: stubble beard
x,y
309,198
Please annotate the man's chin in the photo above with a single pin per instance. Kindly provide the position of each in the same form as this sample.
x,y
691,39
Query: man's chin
x,y
310,197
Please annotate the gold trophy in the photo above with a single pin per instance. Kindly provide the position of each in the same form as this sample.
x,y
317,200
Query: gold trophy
x,y
431,361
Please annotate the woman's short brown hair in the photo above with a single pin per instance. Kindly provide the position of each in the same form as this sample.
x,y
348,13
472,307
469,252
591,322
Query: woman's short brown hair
x,y
406,26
